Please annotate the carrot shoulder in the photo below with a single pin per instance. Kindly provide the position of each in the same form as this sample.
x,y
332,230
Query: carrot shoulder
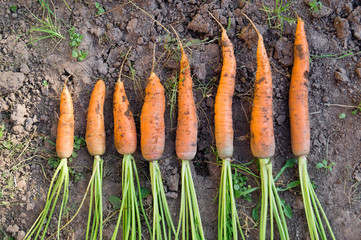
x,y
223,101
125,135
65,130
298,99
186,135
152,120
262,135
95,130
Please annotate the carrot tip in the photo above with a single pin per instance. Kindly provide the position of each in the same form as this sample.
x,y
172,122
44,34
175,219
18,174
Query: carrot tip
x,y
66,80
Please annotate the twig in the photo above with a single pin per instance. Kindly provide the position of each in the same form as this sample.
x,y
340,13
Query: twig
x,y
340,105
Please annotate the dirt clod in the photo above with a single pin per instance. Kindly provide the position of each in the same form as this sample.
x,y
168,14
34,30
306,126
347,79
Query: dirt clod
x,y
284,52
18,115
11,82
358,72
199,24
12,229
324,12
342,27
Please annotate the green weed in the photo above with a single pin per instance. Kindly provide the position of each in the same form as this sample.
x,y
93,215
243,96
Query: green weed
x,y
278,14
315,5
75,40
326,165
171,91
13,8
99,8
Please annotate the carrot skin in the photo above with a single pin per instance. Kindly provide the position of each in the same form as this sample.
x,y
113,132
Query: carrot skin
x,y
223,102
95,130
262,135
186,134
65,130
152,120
125,135
298,98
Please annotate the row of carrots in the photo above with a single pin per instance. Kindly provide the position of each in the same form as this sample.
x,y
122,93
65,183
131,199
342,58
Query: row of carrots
x,y
153,142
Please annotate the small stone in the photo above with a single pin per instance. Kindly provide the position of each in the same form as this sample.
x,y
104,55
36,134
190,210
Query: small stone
x,y
14,15
12,229
358,72
30,206
22,184
340,75
20,235
357,32
18,129
281,119
172,195
24,68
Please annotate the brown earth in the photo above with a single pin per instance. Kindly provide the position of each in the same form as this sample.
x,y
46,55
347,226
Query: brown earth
x,y
32,74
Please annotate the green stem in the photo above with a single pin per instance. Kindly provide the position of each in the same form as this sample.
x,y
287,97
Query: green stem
x,y
189,206
162,219
129,210
264,201
269,193
312,205
96,202
227,211
59,181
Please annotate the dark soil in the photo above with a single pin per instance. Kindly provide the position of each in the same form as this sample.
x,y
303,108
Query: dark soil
x,y
32,75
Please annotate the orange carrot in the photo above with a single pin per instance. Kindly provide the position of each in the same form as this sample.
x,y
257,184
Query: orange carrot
x,y
152,120
95,130
125,135
262,136
223,103
298,99
186,135
65,130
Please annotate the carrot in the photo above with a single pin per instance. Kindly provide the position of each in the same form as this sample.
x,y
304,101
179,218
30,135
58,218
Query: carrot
x,y
300,134
298,100
263,143
186,149
186,135
125,135
152,145
95,141
262,136
223,102
125,140
60,180
65,130
227,211
152,120
95,130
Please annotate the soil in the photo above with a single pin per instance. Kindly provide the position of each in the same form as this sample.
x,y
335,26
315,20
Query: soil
x,y
32,75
